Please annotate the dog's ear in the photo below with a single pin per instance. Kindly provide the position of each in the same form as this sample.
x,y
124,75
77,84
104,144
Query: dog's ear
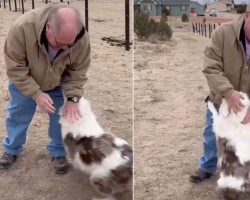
x,y
224,111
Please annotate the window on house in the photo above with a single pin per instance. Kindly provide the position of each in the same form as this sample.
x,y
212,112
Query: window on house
x,y
183,8
145,7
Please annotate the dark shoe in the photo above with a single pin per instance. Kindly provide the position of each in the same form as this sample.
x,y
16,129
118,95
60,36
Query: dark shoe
x,y
61,165
199,176
7,160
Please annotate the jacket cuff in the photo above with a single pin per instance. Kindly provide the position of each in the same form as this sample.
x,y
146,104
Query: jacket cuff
x,y
227,93
34,96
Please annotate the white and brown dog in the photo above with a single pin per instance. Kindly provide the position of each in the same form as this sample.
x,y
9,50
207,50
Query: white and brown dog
x,y
233,142
106,158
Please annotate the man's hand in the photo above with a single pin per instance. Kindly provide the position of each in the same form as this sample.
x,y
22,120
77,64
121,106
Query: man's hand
x,y
247,117
234,102
44,101
71,111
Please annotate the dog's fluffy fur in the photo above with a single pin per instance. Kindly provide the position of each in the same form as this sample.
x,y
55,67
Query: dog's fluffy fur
x,y
233,142
106,158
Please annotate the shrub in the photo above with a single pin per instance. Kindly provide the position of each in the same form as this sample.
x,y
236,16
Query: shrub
x,y
142,26
148,29
184,17
163,30
152,25
164,17
241,8
165,11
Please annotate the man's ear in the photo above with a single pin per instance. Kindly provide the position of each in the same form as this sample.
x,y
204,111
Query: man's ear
x,y
247,15
47,26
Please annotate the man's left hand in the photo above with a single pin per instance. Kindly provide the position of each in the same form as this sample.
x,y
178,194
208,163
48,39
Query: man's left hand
x,y
247,117
71,111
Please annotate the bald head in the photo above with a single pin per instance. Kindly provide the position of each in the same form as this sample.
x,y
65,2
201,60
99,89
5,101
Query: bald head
x,y
65,17
65,24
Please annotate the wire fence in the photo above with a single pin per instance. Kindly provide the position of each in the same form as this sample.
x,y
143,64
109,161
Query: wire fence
x,y
24,5
204,29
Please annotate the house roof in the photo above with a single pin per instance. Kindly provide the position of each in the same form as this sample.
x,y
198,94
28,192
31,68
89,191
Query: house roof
x,y
166,2
196,2
227,1
139,1
174,2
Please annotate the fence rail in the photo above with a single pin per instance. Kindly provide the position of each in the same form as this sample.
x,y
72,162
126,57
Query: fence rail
x,y
127,14
204,29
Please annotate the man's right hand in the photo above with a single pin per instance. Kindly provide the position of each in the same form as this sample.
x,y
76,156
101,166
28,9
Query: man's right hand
x,y
234,102
44,101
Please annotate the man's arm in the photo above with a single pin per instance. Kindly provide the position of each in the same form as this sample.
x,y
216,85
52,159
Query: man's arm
x,y
74,76
214,68
16,62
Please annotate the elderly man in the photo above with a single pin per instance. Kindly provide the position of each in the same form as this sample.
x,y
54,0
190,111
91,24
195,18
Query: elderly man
x,y
227,72
47,54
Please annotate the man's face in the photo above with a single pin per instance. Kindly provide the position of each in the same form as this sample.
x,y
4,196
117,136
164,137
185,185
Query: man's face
x,y
247,26
61,39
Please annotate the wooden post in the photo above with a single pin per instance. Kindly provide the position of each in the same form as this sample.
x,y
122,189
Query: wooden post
x,y
214,26
4,5
33,4
61,1
87,15
15,6
127,24
196,27
205,29
199,28
22,6
46,1
209,30
9,5
0,3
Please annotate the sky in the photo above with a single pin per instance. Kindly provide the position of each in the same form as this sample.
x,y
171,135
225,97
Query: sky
x,y
235,1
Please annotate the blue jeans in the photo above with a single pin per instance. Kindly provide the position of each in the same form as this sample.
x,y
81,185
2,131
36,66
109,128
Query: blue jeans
x,y
20,112
208,162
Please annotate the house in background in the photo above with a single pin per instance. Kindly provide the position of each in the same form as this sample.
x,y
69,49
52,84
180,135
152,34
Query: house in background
x,y
196,8
147,6
221,6
176,7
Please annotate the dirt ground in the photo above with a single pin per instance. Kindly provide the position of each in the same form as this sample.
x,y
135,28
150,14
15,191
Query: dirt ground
x,y
169,116
109,90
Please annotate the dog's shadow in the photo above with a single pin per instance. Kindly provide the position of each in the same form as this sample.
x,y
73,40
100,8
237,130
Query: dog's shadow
x,y
88,192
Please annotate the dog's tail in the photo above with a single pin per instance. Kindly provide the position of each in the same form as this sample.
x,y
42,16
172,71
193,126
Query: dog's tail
x,y
212,109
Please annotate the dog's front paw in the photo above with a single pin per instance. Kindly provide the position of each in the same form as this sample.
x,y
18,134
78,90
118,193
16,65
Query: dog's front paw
x,y
101,185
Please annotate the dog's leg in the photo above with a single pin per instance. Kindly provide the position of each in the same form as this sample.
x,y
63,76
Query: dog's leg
x,y
230,194
101,184
70,145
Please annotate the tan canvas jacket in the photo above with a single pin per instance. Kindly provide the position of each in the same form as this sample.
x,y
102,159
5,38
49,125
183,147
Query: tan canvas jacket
x,y
225,64
27,61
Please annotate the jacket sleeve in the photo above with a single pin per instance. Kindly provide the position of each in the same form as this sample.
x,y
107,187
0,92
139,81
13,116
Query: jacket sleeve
x,y
74,76
16,62
214,67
